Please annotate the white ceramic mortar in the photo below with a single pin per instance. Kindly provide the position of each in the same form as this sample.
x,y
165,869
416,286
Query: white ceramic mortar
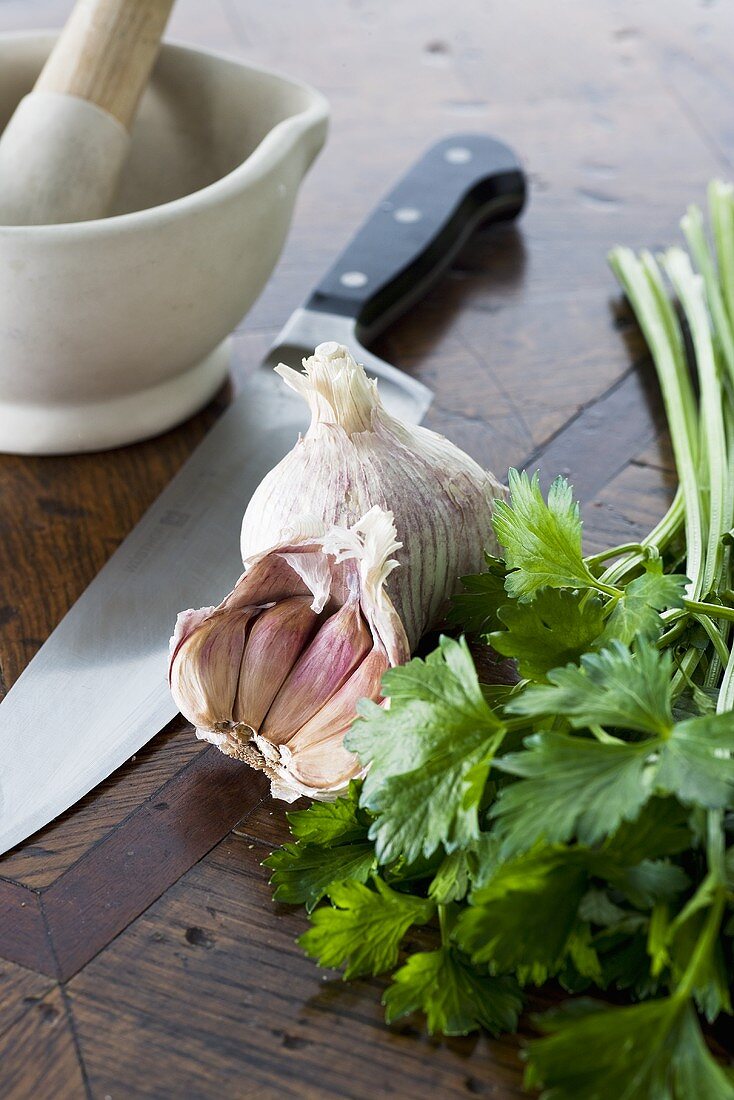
x,y
114,330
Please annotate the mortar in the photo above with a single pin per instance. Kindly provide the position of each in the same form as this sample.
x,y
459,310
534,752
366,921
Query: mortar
x,y
114,330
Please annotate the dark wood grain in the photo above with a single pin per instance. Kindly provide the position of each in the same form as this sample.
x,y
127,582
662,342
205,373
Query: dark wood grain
x,y
179,976
216,937
632,407
630,505
20,990
57,930
86,908
47,856
38,1053
23,930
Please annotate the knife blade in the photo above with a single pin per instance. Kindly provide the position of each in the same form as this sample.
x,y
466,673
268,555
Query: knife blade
x,y
96,691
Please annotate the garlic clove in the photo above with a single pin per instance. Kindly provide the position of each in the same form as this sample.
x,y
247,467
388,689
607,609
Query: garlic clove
x,y
277,637
337,572
321,767
337,715
205,667
340,645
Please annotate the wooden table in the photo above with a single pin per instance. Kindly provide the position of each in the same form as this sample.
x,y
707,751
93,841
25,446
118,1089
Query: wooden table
x,y
141,953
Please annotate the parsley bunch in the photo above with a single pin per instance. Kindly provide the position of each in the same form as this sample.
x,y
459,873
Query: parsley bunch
x,y
575,825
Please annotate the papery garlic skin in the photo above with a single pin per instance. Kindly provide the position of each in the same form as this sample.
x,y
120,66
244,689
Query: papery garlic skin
x,y
273,674
352,547
355,456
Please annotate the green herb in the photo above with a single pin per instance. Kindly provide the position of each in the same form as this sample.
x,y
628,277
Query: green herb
x,y
430,754
577,826
542,541
455,995
558,626
333,845
364,928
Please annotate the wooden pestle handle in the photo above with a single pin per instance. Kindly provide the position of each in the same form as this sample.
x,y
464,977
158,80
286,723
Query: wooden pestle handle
x,y
105,53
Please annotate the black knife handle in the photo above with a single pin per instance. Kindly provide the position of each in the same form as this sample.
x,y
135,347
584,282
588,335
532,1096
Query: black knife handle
x,y
463,181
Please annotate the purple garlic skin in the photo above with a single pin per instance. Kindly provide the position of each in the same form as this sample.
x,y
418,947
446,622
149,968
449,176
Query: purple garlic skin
x,y
273,675
356,456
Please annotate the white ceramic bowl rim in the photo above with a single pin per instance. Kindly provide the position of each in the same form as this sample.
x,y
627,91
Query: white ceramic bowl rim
x,y
257,164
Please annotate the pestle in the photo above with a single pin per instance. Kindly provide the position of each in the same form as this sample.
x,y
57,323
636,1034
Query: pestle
x,y
62,151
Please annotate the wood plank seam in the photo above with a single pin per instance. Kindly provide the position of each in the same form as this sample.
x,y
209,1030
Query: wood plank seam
x,y
642,425
477,358
24,935
155,795
75,1040
255,841
67,1007
633,368
151,854
79,914
693,120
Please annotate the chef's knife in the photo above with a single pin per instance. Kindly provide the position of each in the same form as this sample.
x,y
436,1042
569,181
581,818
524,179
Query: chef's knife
x,y
96,691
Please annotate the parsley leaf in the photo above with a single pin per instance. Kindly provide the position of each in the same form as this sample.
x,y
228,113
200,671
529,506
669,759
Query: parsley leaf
x,y
455,997
572,786
364,927
637,612
664,1055
696,1072
474,611
555,629
542,541
624,958
303,873
696,763
578,787
661,829
644,883
451,881
429,754
611,688
332,846
328,822
523,917
582,962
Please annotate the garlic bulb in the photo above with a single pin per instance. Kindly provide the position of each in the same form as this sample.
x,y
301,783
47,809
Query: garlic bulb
x,y
273,675
352,546
355,455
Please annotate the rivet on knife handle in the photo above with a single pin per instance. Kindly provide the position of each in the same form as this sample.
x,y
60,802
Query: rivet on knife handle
x,y
462,182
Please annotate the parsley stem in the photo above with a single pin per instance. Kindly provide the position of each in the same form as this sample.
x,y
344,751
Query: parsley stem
x,y
661,535
615,552
702,951
722,221
605,738
679,627
716,844
512,724
714,610
643,284
686,667
443,924
712,456
723,578
609,590
692,226
726,691
722,650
